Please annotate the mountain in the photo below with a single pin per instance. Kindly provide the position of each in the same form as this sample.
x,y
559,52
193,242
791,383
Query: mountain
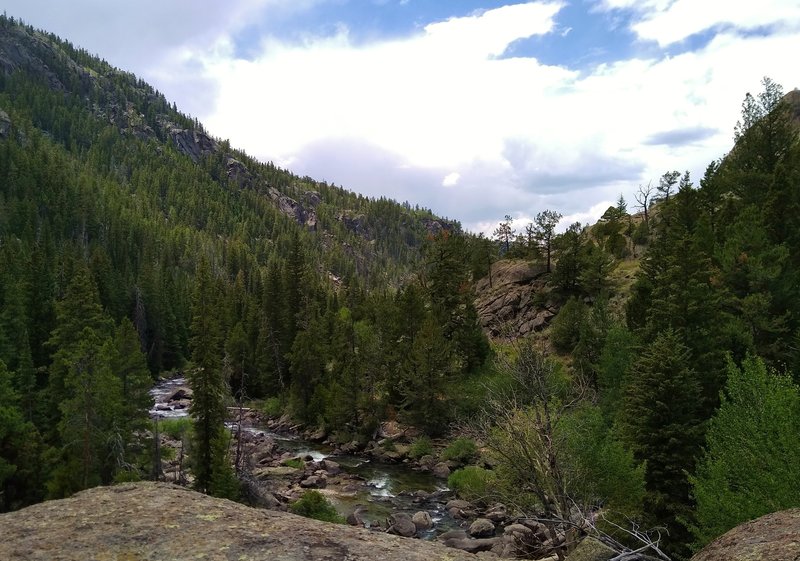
x,y
131,236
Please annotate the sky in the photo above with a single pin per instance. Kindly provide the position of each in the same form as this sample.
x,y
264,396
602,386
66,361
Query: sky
x,y
475,109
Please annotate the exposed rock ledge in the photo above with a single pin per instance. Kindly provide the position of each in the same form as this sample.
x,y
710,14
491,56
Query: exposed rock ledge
x,y
157,521
773,537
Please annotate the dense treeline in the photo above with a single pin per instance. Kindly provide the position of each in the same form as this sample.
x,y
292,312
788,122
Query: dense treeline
x,y
124,255
698,379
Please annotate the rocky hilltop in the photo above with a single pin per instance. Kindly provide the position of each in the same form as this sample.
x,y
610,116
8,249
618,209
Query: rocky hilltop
x,y
157,521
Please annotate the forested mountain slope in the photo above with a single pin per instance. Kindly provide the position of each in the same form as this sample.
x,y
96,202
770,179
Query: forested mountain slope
x,y
132,241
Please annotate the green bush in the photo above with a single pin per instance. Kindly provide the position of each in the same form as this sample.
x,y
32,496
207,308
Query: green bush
x,y
461,450
175,428
295,463
420,447
471,483
313,505
272,407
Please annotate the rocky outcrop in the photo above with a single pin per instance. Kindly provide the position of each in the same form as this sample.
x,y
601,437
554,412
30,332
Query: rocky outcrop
x,y
161,522
293,209
193,143
774,537
514,300
5,124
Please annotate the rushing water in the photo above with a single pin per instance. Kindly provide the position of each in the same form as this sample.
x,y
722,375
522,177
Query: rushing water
x,y
160,393
386,488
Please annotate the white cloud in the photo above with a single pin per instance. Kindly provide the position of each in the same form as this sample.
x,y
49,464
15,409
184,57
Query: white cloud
x,y
683,18
451,179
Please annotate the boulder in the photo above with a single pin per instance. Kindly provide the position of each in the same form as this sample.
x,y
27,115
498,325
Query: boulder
x,y
313,482
422,521
481,528
453,535
441,470
400,524
473,546
459,504
354,518
331,467
181,394
591,549
497,514
773,537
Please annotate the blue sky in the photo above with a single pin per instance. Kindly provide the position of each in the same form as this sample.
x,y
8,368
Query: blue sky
x,y
476,109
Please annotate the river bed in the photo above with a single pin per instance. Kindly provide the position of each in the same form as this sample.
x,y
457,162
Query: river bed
x,y
384,489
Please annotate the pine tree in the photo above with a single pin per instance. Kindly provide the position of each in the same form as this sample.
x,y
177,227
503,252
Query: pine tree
x,y
208,385
89,416
662,421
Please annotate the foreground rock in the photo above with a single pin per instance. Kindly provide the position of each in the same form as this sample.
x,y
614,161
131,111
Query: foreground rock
x,y
774,537
161,522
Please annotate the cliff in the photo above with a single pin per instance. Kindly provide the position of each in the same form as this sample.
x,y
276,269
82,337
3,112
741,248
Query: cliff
x,y
157,521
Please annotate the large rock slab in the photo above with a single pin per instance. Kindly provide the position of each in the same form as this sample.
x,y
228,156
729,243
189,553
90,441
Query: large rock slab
x,y
774,537
161,522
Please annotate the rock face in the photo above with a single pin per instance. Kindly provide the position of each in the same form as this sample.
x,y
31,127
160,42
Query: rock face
x,y
774,537
161,522
507,308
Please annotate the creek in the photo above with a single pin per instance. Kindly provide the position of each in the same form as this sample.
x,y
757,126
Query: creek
x,y
385,488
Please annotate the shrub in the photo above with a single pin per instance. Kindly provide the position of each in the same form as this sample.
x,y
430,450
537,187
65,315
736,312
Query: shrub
x,y
272,407
471,483
420,447
295,463
313,505
461,450
175,428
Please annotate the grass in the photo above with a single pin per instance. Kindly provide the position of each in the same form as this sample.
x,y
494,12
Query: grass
x,y
420,447
175,428
295,463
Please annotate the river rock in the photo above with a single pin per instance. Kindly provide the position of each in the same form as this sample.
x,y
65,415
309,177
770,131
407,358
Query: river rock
x,y
400,523
481,528
459,504
331,467
181,394
441,470
591,549
313,482
473,546
519,541
497,513
422,521
354,518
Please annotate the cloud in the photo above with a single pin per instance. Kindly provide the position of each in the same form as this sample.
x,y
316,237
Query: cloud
x,y
679,137
451,179
668,22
